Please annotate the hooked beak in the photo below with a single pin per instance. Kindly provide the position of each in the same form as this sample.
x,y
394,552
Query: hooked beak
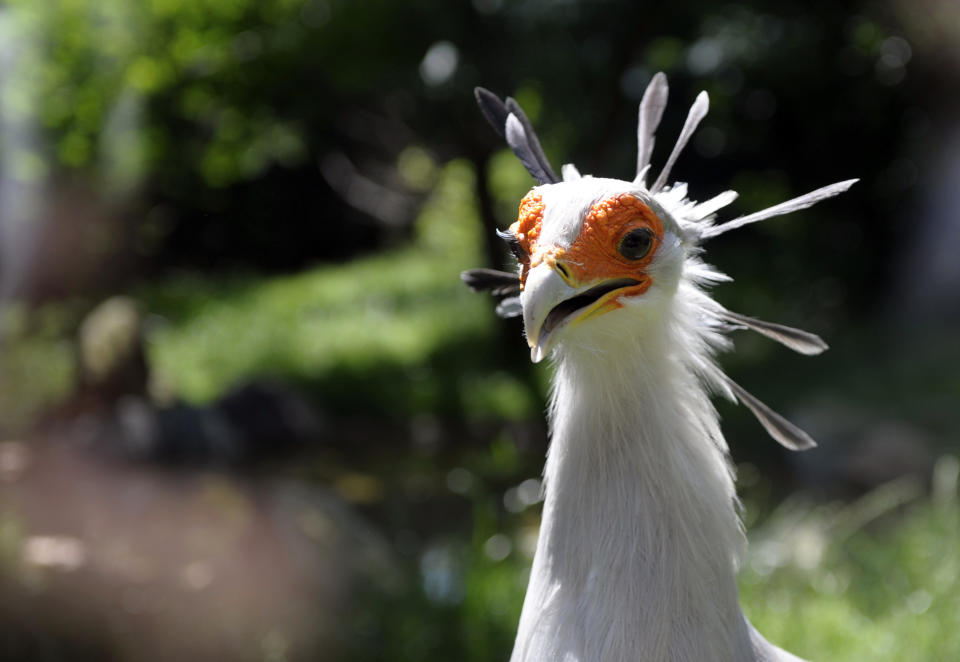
x,y
549,304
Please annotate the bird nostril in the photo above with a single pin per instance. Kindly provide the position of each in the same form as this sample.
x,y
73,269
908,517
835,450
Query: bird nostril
x,y
563,269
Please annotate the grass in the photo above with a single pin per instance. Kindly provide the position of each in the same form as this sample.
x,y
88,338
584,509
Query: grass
x,y
886,589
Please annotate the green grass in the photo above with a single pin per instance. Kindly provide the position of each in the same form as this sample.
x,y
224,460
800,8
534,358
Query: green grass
x,y
837,583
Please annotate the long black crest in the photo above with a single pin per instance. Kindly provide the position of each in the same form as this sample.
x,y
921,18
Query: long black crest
x,y
512,124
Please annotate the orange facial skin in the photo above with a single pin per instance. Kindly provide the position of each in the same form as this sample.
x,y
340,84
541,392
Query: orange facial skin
x,y
593,256
527,230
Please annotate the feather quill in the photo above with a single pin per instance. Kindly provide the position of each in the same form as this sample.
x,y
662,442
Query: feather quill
x,y
570,172
492,108
786,433
796,204
651,111
799,341
714,204
519,142
533,141
518,132
697,112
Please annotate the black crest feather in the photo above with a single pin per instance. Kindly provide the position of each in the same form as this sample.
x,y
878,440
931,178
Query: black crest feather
x,y
501,284
493,109
498,283
518,133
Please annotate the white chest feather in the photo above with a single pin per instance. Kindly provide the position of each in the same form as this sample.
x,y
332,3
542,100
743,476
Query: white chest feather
x,y
640,537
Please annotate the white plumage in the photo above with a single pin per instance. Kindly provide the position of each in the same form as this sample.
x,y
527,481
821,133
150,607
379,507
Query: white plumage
x,y
640,540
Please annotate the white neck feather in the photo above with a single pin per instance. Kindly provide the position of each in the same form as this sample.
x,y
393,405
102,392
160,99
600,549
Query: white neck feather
x,y
640,539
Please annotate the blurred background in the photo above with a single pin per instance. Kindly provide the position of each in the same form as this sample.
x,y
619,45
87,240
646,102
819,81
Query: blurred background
x,y
249,412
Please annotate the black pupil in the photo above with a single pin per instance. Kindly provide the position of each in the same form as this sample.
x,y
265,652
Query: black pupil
x,y
636,244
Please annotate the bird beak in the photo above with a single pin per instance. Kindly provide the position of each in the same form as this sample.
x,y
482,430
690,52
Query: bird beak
x,y
550,303
543,290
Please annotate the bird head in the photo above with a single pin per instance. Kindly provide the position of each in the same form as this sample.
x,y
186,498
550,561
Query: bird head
x,y
587,249
599,257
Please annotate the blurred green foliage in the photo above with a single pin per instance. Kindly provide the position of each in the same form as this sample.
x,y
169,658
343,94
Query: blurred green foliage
x,y
398,327
87,69
38,363
889,592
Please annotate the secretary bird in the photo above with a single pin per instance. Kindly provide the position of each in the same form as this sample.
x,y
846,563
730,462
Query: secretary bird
x,y
641,539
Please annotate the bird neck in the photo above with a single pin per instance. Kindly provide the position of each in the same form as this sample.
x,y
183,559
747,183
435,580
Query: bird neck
x,y
640,538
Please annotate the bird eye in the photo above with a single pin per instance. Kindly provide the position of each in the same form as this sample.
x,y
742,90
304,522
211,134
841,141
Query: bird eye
x,y
636,244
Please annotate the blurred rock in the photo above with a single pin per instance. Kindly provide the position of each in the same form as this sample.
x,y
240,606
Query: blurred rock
x,y
176,434
253,422
111,342
270,417
111,362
